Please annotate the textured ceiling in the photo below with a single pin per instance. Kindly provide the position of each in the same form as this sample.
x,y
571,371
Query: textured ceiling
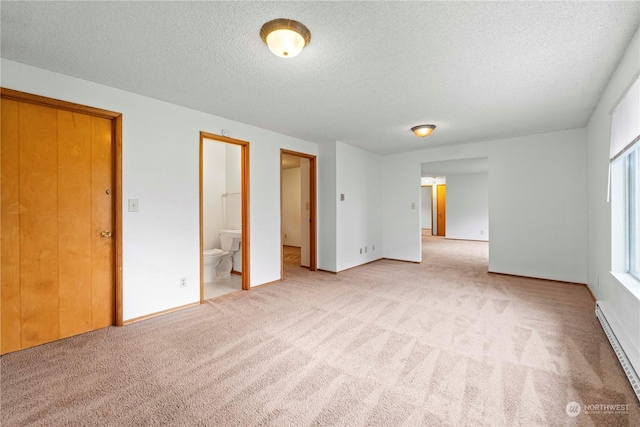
x,y
478,70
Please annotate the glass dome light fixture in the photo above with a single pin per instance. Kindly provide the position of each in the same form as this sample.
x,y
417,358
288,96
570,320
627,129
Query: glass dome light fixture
x,y
285,37
423,130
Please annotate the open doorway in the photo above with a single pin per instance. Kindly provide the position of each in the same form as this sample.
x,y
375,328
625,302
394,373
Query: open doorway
x,y
224,215
433,205
298,211
459,198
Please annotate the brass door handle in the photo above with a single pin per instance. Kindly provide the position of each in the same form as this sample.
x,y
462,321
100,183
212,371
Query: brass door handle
x,y
106,234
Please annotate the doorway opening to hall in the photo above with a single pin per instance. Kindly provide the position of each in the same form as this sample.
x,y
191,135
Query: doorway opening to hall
x,y
298,212
454,215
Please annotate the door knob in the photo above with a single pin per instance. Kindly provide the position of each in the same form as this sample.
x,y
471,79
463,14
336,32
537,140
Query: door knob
x,y
106,234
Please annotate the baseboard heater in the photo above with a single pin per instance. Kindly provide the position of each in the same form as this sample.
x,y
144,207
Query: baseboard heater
x,y
632,376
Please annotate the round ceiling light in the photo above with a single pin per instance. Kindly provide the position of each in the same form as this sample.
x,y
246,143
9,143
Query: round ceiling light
x,y
423,130
285,37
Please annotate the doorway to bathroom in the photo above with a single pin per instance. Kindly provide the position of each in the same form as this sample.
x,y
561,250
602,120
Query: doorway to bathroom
x,y
298,211
224,215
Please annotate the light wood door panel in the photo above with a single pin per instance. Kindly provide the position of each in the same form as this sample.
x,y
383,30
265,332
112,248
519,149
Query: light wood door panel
x,y
57,198
441,209
74,222
10,227
38,224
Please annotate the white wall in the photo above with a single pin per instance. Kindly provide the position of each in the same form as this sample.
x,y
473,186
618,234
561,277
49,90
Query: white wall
x,y
327,204
400,213
359,216
213,183
434,208
222,200
291,204
346,226
425,206
233,188
537,206
467,214
160,168
623,308
537,203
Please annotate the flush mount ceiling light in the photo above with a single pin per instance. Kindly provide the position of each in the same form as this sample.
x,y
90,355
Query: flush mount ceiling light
x,y
285,37
423,130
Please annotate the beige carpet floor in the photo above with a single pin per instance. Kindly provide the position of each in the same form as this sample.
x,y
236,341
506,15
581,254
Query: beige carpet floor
x,y
386,344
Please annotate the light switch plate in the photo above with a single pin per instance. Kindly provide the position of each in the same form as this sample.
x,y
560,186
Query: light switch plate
x,y
133,205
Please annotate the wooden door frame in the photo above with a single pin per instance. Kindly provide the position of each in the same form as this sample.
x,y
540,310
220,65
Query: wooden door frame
x,y
313,256
444,217
244,188
116,168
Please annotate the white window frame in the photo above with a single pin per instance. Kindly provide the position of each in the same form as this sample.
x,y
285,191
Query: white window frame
x,y
624,175
633,211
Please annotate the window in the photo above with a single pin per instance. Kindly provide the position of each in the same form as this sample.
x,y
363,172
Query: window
x,y
633,205
625,184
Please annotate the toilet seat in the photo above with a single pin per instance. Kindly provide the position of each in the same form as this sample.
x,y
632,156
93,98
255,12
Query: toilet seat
x,y
219,252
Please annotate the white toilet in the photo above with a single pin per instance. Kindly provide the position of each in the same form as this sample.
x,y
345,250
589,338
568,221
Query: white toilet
x,y
218,262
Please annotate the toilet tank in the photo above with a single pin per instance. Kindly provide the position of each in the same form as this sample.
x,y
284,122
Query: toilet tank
x,y
230,240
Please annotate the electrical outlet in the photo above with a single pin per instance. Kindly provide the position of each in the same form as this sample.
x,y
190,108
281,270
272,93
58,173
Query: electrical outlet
x,y
374,248
482,232
183,282
342,197
360,251
285,237
365,249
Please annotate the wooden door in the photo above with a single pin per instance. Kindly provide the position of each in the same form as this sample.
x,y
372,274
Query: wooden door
x,y
442,203
57,223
